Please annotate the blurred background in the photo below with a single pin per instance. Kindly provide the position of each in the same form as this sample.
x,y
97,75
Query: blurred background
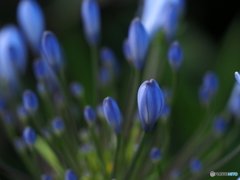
x,y
209,33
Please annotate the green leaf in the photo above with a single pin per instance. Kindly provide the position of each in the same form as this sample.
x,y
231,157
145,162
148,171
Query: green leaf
x,y
48,155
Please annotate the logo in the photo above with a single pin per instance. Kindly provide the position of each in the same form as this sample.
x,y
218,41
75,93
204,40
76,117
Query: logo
x,y
212,173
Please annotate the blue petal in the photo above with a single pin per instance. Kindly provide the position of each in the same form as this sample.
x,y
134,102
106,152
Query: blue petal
x,y
30,18
89,113
155,14
29,135
112,114
91,21
138,41
126,50
237,76
150,103
70,175
52,50
13,54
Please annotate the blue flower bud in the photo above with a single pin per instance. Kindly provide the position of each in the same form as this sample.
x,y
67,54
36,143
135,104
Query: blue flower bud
x,y
109,60
107,57
58,125
89,114
13,54
138,42
112,114
46,177
155,154
19,144
70,175
210,81
91,21
237,76
156,14
150,103
171,20
126,50
195,165
76,89
29,136
40,69
30,101
219,126
175,55
234,101
22,113
52,51
31,20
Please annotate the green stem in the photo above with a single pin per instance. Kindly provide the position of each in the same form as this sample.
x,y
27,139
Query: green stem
x,y
174,86
159,169
128,87
166,137
62,141
98,148
131,105
26,160
114,172
36,121
94,54
130,170
37,167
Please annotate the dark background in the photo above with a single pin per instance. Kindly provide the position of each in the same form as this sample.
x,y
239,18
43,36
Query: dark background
x,y
208,22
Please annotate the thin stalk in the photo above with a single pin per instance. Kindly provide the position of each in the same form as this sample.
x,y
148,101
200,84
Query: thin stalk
x,y
132,166
128,89
94,56
166,124
159,169
61,139
64,89
37,166
36,121
98,149
114,172
166,137
26,160
174,86
131,104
